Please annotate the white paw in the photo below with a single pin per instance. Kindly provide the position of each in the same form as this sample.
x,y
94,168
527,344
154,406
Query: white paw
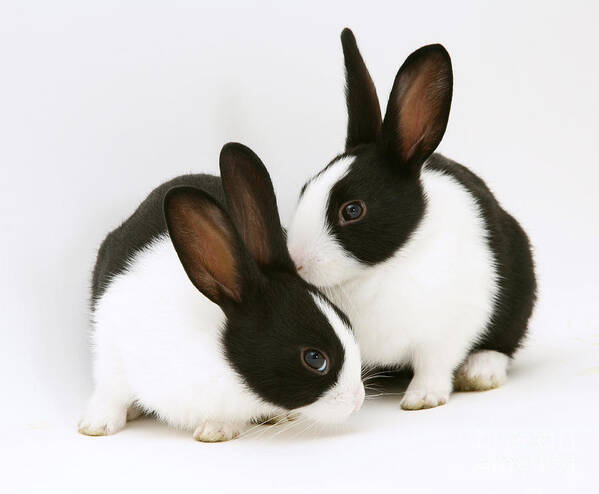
x,y
102,421
214,432
485,369
418,399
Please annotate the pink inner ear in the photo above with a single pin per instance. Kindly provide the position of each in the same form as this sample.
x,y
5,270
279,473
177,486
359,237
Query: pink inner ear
x,y
206,246
419,106
214,248
413,119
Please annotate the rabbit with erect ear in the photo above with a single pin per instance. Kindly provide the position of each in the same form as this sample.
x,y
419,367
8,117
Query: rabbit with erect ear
x,y
200,318
414,247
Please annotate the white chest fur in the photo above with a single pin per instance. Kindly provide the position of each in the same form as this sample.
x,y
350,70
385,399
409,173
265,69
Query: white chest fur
x,y
437,292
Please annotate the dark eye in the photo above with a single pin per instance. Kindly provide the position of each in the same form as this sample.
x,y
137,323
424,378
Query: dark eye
x,y
352,211
315,360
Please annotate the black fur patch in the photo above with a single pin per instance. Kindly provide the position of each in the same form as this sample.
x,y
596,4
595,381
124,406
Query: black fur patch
x,y
395,205
513,260
263,341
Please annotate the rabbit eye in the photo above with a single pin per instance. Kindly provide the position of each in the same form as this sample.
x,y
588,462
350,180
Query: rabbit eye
x,y
315,360
351,211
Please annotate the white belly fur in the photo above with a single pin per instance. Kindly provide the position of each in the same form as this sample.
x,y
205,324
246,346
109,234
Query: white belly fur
x,y
437,293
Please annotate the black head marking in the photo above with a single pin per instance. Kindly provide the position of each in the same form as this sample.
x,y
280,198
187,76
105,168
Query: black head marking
x,y
384,178
265,341
394,205
239,259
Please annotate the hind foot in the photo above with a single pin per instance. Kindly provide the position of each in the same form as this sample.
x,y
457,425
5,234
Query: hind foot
x,y
483,370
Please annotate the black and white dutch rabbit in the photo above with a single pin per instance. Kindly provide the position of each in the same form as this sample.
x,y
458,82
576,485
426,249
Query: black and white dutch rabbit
x,y
200,317
412,246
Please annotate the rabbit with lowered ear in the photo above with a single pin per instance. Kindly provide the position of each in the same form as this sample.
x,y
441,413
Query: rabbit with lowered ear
x,y
200,317
414,247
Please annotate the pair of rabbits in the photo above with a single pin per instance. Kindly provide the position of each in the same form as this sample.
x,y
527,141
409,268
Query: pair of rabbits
x,y
206,314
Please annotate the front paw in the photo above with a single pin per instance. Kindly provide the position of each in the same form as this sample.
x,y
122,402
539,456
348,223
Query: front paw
x,y
212,431
419,399
102,422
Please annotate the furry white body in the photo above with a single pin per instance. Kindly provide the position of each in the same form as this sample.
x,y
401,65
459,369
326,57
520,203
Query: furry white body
x,y
156,342
428,303
157,345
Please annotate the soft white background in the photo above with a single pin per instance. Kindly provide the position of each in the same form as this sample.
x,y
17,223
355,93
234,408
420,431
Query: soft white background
x,y
102,101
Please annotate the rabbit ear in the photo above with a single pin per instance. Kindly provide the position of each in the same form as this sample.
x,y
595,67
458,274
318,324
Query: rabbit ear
x,y
363,108
207,244
418,107
253,206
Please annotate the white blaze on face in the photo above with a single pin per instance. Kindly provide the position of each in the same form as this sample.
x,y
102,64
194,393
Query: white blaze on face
x,y
319,257
347,395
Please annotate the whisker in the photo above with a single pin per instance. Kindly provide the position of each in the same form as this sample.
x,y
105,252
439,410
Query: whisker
x,y
370,397
308,427
268,419
301,420
376,376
